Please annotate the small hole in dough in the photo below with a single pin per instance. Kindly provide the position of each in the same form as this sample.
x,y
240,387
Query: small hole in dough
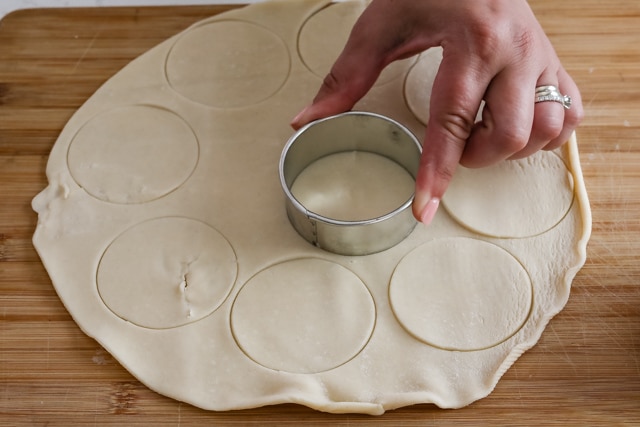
x,y
166,272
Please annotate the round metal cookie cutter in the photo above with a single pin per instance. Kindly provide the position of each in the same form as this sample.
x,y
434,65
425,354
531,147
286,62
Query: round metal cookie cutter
x,y
352,131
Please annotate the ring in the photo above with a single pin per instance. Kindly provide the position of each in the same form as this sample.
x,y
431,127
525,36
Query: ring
x,y
547,93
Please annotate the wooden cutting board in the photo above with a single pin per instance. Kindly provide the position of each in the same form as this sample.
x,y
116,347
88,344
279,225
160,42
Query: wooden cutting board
x,y
584,371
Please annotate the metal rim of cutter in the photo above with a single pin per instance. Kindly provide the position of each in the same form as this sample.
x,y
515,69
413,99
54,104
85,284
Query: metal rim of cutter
x,y
351,131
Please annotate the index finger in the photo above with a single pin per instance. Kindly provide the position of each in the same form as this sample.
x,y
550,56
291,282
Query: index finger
x,y
455,99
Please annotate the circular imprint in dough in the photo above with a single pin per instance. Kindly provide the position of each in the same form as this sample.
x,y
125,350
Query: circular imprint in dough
x,y
303,316
460,294
512,199
353,186
166,272
324,34
228,64
133,154
419,84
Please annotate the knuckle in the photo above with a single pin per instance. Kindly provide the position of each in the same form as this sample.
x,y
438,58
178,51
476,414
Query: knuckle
x,y
513,139
437,171
457,124
339,84
488,41
548,133
548,128
504,39
523,40
574,116
444,173
330,84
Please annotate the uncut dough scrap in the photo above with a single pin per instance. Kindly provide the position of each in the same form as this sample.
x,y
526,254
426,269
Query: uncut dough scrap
x,y
171,247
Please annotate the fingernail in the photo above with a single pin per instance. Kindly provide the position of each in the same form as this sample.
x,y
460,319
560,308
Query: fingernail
x,y
429,211
296,122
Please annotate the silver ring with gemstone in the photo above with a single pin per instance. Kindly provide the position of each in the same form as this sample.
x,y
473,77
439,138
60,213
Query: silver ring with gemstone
x,y
550,93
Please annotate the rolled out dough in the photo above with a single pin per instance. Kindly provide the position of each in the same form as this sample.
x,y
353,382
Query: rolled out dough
x,y
164,231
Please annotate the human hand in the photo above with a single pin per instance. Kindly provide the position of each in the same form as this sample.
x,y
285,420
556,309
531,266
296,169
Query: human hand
x,y
493,50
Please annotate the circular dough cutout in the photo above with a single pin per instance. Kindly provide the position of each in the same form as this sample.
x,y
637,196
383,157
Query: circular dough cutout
x,y
133,154
166,272
512,199
303,316
324,35
228,64
353,186
419,84
460,294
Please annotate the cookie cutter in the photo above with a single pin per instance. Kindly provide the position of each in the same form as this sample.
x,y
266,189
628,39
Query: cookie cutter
x,y
351,131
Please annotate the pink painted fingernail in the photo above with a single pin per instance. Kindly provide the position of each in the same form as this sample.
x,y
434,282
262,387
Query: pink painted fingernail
x,y
429,210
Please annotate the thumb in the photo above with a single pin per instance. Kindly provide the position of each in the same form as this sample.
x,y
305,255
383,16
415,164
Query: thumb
x,y
381,35
350,78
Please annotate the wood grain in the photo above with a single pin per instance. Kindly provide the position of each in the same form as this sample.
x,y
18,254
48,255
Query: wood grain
x,y
584,371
